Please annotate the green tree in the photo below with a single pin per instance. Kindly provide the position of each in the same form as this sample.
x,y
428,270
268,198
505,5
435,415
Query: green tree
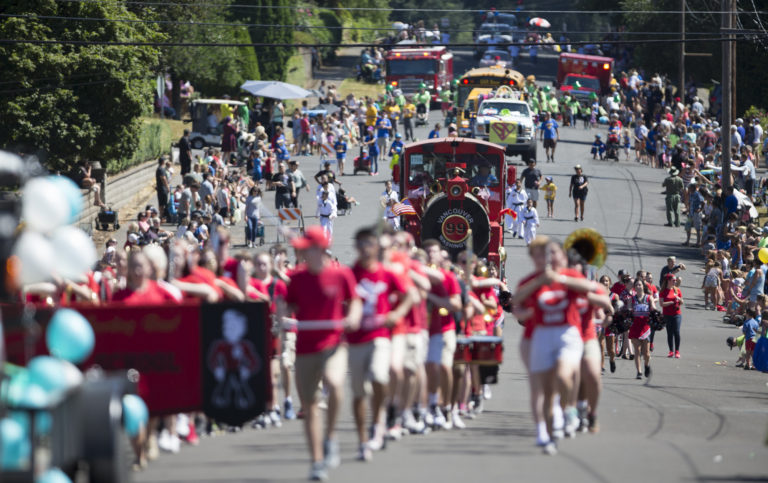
x,y
272,60
73,101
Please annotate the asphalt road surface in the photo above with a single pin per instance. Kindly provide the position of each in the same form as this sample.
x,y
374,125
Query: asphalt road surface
x,y
698,419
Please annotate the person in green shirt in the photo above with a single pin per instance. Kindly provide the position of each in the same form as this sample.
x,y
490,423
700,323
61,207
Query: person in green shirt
x,y
422,97
674,187
764,240
244,113
445,100
554,105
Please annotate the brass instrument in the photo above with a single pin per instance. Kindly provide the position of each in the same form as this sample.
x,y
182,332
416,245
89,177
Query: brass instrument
x,y
589,244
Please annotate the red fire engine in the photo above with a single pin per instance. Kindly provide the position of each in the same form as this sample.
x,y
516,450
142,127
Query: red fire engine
x,y
407,68
454,185
583,74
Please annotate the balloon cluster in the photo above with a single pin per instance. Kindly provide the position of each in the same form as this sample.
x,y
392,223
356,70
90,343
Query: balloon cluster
x,y
50,245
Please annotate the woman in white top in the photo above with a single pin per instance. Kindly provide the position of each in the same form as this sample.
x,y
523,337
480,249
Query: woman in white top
x,y
252,214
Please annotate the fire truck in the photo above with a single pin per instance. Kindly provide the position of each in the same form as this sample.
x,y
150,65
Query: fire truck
x,y
581,74
407,68
456,187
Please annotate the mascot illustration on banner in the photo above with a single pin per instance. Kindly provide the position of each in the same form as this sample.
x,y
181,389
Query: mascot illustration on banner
x,y
233,360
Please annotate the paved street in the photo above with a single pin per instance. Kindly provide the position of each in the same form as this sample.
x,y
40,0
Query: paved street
x,y
699,418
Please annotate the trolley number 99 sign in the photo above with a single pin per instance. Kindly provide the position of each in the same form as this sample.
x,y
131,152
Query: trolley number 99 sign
x,y
455,228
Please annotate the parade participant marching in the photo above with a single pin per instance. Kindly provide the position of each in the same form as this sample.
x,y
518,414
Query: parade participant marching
x,y
674,188
318,294
552,346
671,299
550,135
550,191
445,298
531,177
516,199
326,212
370,346
388,199
578,191
640,331
531,221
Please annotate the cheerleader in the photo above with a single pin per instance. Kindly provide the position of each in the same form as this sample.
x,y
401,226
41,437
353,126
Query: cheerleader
x,y
531,221
640,331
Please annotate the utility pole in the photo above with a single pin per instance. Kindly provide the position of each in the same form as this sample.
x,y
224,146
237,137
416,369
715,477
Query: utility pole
x,y
725,87
681,72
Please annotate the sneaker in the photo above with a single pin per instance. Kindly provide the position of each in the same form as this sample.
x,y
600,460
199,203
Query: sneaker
x,y
648,371
550,448
571,422
260,422
651,346
613,367
332,455
487,395
168,442
318,472
448,416
558,433
364,453
677,354
192,437
639,376
458,423
376,440
439,421
395,432
274,419
671,354
594,427
288,412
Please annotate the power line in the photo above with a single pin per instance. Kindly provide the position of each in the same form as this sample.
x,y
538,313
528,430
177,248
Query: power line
x,y
381,9
298,27
368,44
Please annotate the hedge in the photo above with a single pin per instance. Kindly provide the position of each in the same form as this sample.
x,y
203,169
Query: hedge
x,y
154,141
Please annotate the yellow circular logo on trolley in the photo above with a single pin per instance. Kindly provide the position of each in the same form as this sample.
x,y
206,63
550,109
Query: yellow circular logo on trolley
x,y
455,228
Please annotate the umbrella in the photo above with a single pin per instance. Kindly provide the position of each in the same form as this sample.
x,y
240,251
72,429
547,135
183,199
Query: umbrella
x,y
275,90
539,22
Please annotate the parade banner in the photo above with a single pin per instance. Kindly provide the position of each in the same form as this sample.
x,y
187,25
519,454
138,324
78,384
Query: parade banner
x,y
502,132
166,346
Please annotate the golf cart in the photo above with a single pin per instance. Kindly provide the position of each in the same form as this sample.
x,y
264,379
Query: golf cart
x,y
204,133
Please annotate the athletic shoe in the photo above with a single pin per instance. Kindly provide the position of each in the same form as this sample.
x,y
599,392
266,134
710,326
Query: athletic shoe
x,y
594,426
376,440
571,422
395,432
192,436
487,394
332,455
318,472
288,412
558,433
648,371
439,421
677,354
457,421
639,376
448,416
261,422
671,354
364,453
274,418
613,367
651,346
168,442
550,448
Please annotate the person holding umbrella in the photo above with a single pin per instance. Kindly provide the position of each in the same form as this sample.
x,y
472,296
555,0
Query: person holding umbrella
x,y
578,191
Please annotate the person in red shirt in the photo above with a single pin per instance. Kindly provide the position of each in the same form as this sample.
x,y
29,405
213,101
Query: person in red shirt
x,y
548,306
140,289
671,299
323,298
640,330
370,346
444,299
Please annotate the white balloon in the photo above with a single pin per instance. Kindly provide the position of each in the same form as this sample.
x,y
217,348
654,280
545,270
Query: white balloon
x,y
45,206
72,374
36,255
74,250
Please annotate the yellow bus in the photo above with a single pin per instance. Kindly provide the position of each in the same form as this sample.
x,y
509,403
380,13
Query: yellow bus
x,y
492,77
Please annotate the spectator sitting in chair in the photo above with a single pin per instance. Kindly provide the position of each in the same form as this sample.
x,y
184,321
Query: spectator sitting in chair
x,y
84,179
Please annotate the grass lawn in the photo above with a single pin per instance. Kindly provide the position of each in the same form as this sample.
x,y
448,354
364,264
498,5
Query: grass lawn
x,y
359,89
296,74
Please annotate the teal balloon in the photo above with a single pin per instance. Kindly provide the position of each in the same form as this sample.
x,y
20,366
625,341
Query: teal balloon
x,y
15,446
53,475
70,336
43,421
135,414
72,195
16,386
48,373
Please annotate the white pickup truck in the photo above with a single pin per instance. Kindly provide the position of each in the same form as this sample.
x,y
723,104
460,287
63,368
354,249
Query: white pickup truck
x,y
512,121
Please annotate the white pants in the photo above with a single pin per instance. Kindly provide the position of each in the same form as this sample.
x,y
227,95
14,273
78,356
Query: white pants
x,y
394,222
516,225
327,225
530,232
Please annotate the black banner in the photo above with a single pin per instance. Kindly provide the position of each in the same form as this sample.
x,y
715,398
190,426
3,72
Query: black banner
x,y
235,361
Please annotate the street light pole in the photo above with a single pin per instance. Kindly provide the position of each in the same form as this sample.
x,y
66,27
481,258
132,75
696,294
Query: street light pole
x,y
681,72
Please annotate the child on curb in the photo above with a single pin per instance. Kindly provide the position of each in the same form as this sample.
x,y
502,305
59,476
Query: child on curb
x,y
749,329
550,190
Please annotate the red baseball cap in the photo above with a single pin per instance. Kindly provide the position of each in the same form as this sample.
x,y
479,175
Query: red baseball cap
x,y
314,236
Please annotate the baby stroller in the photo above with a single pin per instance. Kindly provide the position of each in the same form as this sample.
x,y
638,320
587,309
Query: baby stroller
x,y
421,115
362,163
612,147
342,205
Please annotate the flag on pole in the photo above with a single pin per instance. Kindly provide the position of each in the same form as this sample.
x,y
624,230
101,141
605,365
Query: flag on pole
x,y
403,208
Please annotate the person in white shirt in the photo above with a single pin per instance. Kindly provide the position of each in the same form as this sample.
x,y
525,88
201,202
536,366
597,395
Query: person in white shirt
x,y
516,200
531,219
388,198
326,185
326,212
757,135
735,138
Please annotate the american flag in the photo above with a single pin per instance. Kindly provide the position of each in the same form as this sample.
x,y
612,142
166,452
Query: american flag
x,y
403,208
